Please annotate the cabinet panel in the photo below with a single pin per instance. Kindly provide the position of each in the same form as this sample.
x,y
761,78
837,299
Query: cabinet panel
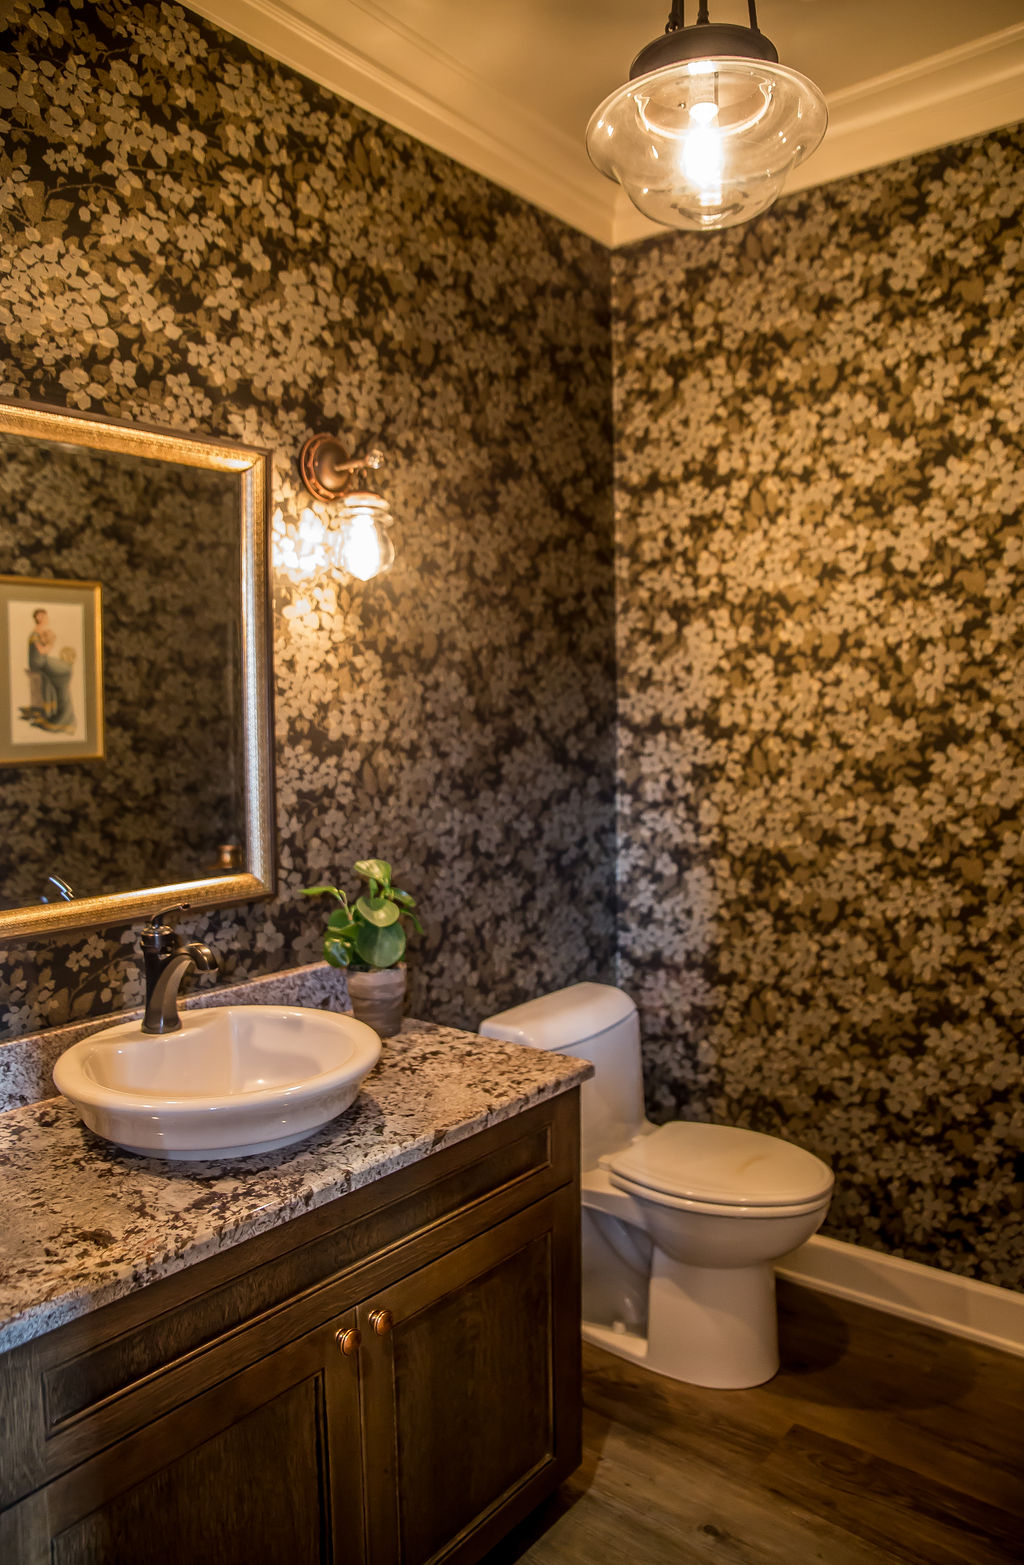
x,y
264,1467
461,1396
222,1501
473,1397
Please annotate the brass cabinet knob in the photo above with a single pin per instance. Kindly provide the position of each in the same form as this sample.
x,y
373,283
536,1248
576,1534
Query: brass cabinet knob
x,y
347,1340
381,1322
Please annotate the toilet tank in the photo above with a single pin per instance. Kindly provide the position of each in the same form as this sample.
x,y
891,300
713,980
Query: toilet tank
x,y
597,1023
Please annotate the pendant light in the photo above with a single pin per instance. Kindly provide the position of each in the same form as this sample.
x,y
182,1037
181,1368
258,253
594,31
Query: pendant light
x,y
709,125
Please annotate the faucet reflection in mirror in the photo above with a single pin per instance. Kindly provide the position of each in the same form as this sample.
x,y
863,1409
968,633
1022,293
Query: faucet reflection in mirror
x,y
352,520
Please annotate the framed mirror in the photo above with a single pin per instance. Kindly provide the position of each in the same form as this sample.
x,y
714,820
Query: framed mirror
x,y
136,766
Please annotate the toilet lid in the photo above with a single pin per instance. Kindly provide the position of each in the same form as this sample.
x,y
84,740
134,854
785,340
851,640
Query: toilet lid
x,y
723,1164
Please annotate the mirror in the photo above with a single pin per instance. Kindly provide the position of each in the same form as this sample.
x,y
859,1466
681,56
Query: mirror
x,y
135,727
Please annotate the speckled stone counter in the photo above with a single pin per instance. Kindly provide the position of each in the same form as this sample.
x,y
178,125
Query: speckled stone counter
x,y
85,1223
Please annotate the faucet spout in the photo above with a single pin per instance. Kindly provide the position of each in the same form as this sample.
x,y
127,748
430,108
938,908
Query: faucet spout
x,y
166,961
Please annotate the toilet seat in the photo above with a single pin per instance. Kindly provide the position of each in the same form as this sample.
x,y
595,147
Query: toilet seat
x,y
720,1168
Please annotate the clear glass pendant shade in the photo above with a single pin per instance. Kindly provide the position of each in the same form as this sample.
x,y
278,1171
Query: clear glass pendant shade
x,y
706,144
359,544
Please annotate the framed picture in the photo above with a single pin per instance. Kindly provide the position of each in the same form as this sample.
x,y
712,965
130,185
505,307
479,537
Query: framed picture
x,y
51,675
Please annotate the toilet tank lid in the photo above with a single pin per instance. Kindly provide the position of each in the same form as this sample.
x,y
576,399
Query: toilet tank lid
x,y
562,1019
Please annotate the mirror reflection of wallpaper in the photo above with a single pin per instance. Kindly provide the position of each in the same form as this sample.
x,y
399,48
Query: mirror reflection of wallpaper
x,y
163,542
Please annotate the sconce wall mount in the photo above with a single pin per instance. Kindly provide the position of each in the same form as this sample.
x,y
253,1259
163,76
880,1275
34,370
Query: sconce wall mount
x,y
356,541
326,471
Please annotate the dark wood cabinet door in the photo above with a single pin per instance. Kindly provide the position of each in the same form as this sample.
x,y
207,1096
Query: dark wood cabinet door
x,y
262,1469
470,1388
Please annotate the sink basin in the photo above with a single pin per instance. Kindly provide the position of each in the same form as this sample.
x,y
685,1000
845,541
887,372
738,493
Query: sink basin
x,y
236,1080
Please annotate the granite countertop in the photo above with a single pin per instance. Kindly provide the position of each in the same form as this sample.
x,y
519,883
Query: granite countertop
x,y
85,1223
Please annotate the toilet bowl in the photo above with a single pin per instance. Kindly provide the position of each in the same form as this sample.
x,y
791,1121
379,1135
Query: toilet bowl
x,y
681,1222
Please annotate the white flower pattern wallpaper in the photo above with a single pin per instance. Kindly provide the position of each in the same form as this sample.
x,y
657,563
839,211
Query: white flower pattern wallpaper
x,y
821,689
199,238
809,592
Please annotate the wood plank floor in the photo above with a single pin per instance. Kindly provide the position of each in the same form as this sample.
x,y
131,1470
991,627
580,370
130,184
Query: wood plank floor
x,y
878,1442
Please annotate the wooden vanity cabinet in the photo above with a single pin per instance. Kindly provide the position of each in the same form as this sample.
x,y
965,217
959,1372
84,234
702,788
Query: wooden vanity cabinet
x,y
406,1407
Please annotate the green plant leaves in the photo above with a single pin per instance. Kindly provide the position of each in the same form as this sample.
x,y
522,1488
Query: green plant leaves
x,y
369,932
378,911
381,947
315,891
374,869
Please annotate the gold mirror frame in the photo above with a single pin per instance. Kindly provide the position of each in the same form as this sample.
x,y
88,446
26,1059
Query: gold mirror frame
x,y
252,465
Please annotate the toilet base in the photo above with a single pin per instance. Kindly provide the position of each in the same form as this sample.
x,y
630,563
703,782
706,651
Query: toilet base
x,y
707,1326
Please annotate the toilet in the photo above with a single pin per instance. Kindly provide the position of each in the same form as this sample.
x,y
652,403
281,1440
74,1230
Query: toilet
x,y
681,1222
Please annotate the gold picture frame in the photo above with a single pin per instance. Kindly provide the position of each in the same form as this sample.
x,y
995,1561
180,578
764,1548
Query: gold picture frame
x,y
51,671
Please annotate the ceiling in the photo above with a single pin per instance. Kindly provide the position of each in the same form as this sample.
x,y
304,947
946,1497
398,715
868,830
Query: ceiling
x,y
508,89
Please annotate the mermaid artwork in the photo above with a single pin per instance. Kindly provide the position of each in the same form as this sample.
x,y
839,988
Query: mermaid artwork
x,y
54,711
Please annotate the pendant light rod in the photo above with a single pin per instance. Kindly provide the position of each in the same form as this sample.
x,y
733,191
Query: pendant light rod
x,y
677,15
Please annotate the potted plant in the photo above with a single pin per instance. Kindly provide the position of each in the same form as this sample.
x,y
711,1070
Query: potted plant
x,y
366,937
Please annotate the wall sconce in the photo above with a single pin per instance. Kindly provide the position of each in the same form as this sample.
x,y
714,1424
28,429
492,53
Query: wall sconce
x,y
356,540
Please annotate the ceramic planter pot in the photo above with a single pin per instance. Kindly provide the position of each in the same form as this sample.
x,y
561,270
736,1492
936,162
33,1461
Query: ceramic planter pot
x,y
377,998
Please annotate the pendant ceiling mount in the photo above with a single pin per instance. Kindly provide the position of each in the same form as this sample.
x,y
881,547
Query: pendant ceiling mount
x,y
709,125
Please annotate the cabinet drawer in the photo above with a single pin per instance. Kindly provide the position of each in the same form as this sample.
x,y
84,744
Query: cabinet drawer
x,y
71,1393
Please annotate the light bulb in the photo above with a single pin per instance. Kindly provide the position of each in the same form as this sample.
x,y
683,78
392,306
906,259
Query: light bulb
x,y
703,155
362,547
360,550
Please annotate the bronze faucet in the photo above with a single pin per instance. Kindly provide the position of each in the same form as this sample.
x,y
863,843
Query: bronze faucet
x,y
166,959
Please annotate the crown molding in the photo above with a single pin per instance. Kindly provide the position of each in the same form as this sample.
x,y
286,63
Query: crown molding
x,y
947,97
458,113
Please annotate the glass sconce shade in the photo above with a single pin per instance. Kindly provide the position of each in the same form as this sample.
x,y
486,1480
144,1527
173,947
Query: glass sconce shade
x,y
706,144
358,542
354,530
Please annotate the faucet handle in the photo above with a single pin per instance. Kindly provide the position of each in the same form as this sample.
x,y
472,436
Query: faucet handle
x,y
158,934
159,920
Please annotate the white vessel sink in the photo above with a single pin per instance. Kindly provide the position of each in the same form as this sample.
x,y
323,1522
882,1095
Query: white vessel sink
x,y
233,1081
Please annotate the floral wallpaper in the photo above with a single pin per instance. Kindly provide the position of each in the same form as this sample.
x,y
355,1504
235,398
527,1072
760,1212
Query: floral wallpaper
x,y
818,576
197,237
147,814
821,645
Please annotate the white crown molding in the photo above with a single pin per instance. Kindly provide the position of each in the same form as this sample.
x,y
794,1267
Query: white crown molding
x,y
458,113
948,97
381,65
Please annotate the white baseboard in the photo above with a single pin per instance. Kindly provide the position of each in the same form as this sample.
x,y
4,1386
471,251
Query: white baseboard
x,y
948,1302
